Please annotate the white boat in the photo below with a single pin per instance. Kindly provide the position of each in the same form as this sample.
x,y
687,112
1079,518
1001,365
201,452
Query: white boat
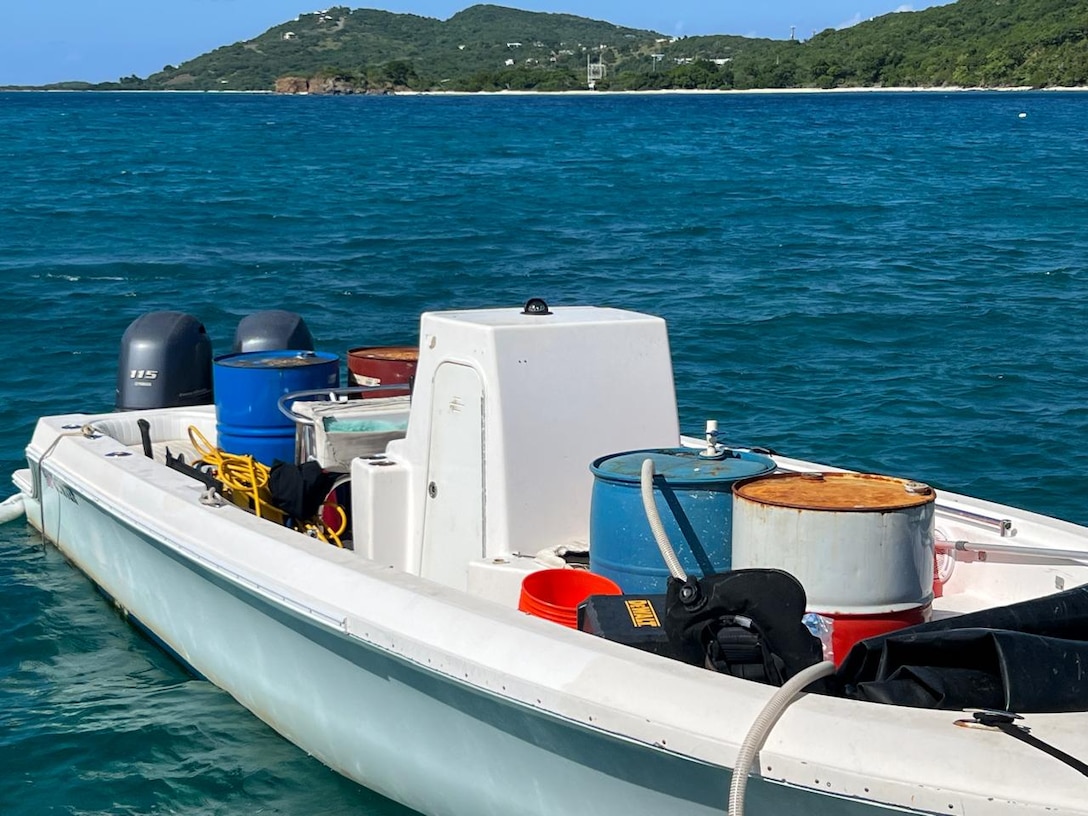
x,y
405,664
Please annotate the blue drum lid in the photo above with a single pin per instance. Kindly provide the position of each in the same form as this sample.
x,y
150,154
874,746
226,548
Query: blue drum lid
x,y
276,359
682,466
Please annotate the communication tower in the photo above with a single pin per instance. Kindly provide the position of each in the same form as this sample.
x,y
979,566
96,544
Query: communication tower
x,y
595,71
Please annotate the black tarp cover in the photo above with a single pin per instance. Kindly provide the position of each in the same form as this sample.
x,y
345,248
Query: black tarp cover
x,y
1026,657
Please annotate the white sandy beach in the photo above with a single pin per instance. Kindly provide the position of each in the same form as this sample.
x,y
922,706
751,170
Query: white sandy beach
x,y
746,91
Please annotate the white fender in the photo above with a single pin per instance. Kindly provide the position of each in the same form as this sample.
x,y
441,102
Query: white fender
x,y
11,508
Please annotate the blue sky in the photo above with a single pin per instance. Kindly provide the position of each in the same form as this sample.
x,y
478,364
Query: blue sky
x,y
101,40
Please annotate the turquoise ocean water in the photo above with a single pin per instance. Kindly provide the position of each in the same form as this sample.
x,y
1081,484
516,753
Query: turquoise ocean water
x,y
895,283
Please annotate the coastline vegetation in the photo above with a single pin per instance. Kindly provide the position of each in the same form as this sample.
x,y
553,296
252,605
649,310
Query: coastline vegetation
x,y
969,43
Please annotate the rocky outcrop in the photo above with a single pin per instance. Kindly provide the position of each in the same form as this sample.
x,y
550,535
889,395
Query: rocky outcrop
x,y
292,85
331,85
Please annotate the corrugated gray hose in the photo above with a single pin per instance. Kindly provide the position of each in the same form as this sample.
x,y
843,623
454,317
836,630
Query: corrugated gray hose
x,y
658,529
780,700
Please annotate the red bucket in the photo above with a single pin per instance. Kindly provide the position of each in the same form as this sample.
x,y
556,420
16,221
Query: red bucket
x,y
554,594
383,365
846,630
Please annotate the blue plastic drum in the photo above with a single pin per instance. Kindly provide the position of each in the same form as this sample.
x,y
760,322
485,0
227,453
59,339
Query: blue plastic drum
x,y
693,495
247,387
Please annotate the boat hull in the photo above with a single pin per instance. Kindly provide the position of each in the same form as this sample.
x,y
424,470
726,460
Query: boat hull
x,y
455,705
413,735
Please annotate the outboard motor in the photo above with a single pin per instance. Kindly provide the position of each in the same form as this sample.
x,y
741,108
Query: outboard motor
x,y
165,362
272,330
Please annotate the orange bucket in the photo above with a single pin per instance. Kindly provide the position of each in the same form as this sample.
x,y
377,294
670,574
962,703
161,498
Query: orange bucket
x,y
554,594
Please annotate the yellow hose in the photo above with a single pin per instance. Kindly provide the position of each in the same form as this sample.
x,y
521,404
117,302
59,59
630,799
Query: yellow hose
x,y
243,474
246,477
343,518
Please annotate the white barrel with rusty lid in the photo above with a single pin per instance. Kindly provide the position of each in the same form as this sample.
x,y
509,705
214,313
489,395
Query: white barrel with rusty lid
x,y
860,544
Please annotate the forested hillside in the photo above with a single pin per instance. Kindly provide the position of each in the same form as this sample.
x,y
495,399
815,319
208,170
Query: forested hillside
x,y
970,43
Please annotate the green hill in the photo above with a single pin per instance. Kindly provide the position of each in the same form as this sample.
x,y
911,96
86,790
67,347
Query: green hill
x,y
982,43
972,43
365,49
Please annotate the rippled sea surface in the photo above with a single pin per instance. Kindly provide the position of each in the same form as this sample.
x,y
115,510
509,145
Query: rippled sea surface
x,y
895,283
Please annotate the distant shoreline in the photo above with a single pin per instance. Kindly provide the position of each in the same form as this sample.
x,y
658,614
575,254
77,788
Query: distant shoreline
x,y
587,92
745,91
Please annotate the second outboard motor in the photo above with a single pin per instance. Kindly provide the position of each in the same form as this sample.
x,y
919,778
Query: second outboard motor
x,y
165,362
272,330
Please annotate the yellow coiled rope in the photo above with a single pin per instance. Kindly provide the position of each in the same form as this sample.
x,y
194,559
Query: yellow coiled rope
x,y
334,535
243,474
248,478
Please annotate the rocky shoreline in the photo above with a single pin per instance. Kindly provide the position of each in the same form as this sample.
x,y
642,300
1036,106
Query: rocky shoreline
x,y
334,86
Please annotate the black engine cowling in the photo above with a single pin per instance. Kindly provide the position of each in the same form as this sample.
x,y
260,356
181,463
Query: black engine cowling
x,y
272,330
165,362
